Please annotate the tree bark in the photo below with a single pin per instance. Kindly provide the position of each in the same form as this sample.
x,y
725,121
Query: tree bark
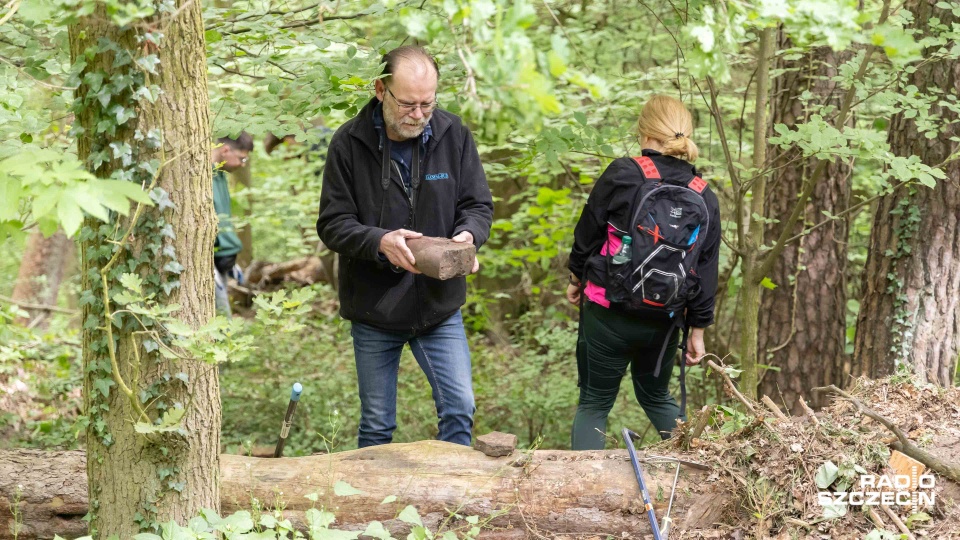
x,y
42,268
134,482
803,320
549,492
910,312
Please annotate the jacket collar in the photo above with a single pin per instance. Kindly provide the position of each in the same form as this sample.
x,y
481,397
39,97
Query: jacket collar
x,y
365,129
671,161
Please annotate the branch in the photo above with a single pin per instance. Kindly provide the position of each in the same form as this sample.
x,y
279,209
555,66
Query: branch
x,y
903,444
41,307
849,210
298,24
730,385
734,176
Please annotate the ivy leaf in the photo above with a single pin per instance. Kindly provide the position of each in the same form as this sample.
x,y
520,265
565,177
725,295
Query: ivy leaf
x,y
767,283
103,385
389,499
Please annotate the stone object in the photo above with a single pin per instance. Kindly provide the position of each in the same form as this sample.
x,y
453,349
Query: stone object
x,y
442,258
496,444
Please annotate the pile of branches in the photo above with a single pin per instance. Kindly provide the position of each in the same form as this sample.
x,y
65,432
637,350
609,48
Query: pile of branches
x,y
784,465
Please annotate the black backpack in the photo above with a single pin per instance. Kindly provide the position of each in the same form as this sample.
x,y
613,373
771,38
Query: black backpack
x,y
668,224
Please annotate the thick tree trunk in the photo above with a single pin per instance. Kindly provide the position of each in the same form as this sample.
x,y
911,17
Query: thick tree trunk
x,y
42,268
803,321
559,492
910,312
134,482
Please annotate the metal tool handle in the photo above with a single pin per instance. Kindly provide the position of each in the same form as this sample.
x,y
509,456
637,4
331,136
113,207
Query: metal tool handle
x,y
628,437
288,418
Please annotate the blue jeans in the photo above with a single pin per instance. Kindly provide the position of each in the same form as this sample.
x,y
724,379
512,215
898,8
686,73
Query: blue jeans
x,y
220,296
444,357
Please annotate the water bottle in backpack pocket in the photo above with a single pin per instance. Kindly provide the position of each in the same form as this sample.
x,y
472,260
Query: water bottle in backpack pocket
x,y
668,218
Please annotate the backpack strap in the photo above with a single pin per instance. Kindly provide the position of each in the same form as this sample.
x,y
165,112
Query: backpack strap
x,y
697,184
647,167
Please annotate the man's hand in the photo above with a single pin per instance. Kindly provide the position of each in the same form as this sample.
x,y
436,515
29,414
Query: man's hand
x,y
394,246
467,237
695,347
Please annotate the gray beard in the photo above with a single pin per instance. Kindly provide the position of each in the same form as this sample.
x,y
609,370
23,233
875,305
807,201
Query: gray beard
x,y
404,130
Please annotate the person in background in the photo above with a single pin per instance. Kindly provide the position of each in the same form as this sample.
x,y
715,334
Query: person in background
x,y
631,277
402,169
227,156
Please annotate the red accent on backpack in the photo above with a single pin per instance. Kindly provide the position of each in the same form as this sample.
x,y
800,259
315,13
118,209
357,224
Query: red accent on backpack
x,y
698,184
648,167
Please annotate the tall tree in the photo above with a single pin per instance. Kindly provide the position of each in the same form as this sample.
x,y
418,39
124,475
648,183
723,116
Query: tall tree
x,y
910,312
802,328
143,112
44,262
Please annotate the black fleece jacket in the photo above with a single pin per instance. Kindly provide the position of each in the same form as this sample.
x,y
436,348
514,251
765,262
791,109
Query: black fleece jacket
x,y
610,202
450,195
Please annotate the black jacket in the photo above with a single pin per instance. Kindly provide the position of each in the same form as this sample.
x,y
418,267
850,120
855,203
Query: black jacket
x,y
450,195
610,202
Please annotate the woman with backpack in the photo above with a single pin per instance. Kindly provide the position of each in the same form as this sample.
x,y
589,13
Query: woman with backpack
x,y
643,270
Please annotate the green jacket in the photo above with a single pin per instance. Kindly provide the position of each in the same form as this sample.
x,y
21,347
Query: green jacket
x,y
228,243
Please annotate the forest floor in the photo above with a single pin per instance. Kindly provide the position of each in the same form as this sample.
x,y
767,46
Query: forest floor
x,y
781,466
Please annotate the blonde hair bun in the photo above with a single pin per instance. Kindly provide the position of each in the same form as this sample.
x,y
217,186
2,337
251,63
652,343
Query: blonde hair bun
x,y
667,120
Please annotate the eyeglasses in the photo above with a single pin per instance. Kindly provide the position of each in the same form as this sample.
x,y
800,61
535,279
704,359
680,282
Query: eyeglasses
x,y
407,108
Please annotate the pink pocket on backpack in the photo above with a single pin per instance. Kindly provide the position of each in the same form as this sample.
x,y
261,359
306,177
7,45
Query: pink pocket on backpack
x,y
613,243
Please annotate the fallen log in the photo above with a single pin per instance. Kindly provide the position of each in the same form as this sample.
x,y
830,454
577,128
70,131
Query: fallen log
x,y
546,492
442,258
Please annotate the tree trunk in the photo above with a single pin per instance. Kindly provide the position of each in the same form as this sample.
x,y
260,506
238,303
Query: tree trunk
x,y
803,320
551,491
44,263
136,482
910,312
753,236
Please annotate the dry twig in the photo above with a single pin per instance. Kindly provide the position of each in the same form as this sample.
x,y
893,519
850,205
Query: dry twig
x,y
732,387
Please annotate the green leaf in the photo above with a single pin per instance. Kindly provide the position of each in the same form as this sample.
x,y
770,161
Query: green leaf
x,y
343,489
389,499
826,475
103,385
70,216
766,283
10,191
410,515
376,530
833,511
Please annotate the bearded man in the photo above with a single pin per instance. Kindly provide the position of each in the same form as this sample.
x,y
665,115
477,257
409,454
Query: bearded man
x,y
404,168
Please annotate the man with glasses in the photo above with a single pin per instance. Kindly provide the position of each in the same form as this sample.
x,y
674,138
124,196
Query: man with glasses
x,y
404,168
228,155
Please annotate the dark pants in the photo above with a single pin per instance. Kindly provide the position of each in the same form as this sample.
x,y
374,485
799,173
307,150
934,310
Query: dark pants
x,y
610,341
